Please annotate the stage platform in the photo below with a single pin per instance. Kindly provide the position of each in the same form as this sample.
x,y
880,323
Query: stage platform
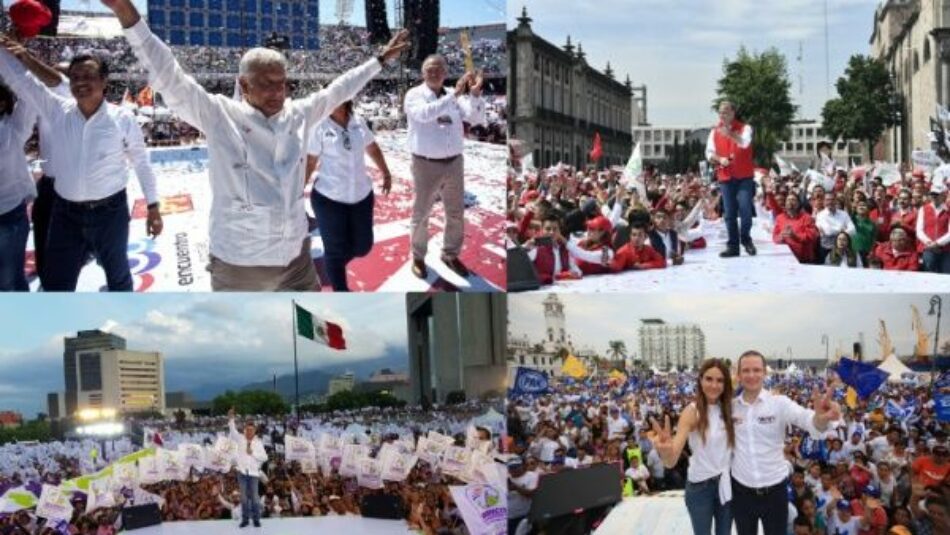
x,y
284,526
176,261
649,515
773,269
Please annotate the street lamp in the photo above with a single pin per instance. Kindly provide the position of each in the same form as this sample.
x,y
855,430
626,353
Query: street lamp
x,y
824,340
936,303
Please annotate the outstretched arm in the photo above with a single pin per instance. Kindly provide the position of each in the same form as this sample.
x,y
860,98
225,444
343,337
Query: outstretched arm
x,y
181,92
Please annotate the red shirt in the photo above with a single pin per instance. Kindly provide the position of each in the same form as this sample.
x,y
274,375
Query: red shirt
x,y
927,472
881,218
644,258
907,222
591,268
804,241
893,261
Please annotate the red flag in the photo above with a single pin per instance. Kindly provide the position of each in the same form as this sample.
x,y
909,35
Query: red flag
x,y
146,97
598,150
334,337
29,17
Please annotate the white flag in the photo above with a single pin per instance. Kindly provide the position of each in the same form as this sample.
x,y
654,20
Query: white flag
x,y
54,504
483,508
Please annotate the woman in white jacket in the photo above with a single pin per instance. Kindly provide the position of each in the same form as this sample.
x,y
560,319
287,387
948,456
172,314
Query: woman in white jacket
x,y
706,424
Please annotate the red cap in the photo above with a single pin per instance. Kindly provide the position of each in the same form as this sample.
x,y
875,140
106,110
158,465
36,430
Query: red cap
x,y
599,223
29,17
918,173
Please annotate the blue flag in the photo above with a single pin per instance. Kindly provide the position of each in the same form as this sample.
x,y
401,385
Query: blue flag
x,y
813,449
865,379
942,397
530,381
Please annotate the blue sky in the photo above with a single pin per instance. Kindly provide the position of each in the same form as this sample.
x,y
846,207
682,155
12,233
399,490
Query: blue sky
x,y
770,323
218,338
454,12
677,47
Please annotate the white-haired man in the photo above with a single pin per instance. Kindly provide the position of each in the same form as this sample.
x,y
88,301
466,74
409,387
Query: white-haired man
x,y
436,141
256,147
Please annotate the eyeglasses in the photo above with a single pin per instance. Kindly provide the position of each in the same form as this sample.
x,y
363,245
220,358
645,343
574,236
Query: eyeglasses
x,y
346,140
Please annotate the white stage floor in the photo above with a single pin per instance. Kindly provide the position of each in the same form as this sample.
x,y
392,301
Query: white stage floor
x,y
283,526
773,269
651,515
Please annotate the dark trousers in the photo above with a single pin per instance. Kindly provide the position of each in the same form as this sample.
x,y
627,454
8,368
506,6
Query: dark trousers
x,y
347,231
749,506
936,261
14,229
737,195
42,210
76,229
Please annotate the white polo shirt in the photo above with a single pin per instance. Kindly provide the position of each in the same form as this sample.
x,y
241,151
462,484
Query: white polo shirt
x,y
758,459
341,175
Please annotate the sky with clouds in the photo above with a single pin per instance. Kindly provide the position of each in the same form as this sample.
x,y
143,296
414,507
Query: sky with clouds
x,y
676,47
734,323
453,12
212,338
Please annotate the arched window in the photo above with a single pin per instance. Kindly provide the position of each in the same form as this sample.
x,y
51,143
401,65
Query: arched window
x,y
926,50
916,61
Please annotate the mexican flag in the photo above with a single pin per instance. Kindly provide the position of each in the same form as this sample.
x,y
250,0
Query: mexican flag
x,y
318,330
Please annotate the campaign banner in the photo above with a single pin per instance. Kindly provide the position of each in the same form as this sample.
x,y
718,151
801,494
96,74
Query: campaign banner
x,y
297,448
149,471
350,462
54,504
371,474
192,455
483,507
395,464
454,460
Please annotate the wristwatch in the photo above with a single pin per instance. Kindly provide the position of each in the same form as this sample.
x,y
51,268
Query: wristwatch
x,y
153,206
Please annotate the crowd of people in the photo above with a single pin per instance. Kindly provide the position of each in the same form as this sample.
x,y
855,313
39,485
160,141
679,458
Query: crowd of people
x,y
577,222
882,467
285,488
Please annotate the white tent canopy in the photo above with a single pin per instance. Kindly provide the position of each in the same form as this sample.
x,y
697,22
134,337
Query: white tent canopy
x,y
894,368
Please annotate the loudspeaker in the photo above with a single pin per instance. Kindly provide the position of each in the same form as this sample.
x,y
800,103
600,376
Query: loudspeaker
x,y
857,352
376,22
571,491
382,506
141,516
522,276
421,17
50,29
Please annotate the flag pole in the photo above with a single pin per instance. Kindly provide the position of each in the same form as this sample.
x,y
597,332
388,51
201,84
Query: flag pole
x,y
293,306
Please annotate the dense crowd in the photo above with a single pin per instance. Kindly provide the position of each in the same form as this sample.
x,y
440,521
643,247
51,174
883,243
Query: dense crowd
x,y
884,461
584,222
342,47
285,489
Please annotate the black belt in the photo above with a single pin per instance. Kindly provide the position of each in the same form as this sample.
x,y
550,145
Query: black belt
x,y
436,160
98,203
760,491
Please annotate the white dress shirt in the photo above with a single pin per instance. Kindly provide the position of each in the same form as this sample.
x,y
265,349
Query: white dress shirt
x,y
246,463
435,123
92,155
829,225
256,163
342,174
47,137
758,460
16,183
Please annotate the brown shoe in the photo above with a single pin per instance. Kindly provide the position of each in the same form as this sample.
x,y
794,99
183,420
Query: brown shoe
x,y
419,268
456,265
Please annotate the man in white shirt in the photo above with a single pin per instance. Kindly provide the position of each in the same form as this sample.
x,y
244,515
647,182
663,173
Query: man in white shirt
x,y
617,426
95,143
258,238
522,485
436,140
249,454
830,222
759,468
16,189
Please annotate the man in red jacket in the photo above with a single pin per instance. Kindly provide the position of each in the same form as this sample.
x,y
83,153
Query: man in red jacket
x,y
729,148
933,230
636,254
796,229
897,254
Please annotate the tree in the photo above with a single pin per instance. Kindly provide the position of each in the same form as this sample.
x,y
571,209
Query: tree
x,y
867,103
250,402
758,85
617,349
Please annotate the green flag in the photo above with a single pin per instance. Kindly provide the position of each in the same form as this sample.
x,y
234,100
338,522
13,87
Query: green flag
x,y
319,330
304,322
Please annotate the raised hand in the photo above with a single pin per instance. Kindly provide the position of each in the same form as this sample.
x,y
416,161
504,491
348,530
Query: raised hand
x,y
663,437
478,81
825,407
395,46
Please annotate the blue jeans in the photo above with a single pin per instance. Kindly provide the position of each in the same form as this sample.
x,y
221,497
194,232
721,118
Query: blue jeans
x,y
737,195
250,499
936,261
702,503
14,229
347,232
77,229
